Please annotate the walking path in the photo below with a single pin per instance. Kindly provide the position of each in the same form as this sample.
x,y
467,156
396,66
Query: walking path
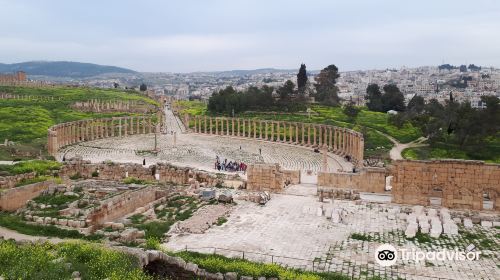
x,y
395,153
11,234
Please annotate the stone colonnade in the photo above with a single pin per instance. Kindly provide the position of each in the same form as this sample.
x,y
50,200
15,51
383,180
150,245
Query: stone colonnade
x,y
342,141
69,133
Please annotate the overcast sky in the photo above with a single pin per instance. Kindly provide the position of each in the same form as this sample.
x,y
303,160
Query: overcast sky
x,y
204,35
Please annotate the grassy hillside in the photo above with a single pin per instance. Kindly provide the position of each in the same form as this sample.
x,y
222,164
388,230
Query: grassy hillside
x,y
488,152
59,261
26,121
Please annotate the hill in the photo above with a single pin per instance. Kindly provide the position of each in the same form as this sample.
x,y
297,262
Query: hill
x,y
25,121
62,69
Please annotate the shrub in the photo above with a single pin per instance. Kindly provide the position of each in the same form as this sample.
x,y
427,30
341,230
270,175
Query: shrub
x,y
152,243
47,261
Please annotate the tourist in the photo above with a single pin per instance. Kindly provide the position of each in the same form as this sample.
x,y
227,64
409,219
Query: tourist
x,y
144,162
260,151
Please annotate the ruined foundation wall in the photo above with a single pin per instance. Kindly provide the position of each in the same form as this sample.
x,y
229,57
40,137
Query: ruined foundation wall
x,y
15,198
116,172
461,184
8,182
292,176
122,205
366,180
265,177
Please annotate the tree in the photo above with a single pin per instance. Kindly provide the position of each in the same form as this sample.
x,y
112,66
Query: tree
x,y
143,87
463,68
302,79
326,90
286,91
351,111
392,99
374,98
416,104
116,85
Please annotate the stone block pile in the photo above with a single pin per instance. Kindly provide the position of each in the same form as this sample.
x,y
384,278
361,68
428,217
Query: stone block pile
x,y
430,223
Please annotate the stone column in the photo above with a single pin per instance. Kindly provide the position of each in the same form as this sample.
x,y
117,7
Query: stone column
x,y
309,134
272,131
266,127
260,129
320,136
254,130
330,137
120,127
92,127
205,124
217,126
314,135
211,126
150,126
361,151
227,126
195,127
232,126
243,123
278,132
303,135
344,141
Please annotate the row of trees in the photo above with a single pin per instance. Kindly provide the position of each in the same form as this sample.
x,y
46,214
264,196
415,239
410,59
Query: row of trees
x,y
290,97
453,122
231,101
391,99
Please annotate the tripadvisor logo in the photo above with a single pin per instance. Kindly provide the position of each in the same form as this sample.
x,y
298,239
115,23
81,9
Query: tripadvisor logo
x,y
387,255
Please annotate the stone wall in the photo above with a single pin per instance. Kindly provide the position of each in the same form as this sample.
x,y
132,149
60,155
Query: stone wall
x,y
159,172
370,179
339,140
121,205
69,133
13,199
265,177
291,176
110,106
460,184
8,182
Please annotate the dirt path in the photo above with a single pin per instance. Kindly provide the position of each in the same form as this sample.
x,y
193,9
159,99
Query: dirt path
x,y
395,153
11,234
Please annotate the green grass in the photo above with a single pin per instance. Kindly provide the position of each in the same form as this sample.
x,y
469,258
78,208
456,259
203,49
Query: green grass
x,y
361,236
133,180
488,152
59,200
26,121
25,182
41,167
221,221
192,107
47,261
14,222
217,263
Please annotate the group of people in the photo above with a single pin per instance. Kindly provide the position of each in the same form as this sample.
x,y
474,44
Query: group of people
x,y
224,165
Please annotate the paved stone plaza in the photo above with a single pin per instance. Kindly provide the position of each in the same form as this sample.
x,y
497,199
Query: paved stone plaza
x,y
200,151
288,230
